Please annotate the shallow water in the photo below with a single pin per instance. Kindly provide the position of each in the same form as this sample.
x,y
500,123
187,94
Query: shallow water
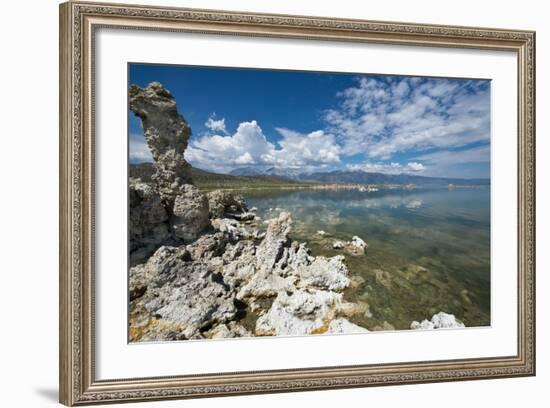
x,y
428,250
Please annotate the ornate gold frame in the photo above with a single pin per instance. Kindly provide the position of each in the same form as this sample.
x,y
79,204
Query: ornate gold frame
x,y
78,22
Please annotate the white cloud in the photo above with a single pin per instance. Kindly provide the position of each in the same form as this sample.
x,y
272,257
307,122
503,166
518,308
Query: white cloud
x,y
245,158
380,117
314,149
138,150
221,153
249,145
414,166
216,125
389,168
480,154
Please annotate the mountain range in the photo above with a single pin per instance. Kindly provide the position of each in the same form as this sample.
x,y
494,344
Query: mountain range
x,y
289,174
272,176
355,176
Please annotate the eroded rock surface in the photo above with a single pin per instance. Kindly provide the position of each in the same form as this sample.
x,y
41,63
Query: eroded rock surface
x,y
171,195
441,320
166,133
148,219
190,213
301,312
342,325
205,287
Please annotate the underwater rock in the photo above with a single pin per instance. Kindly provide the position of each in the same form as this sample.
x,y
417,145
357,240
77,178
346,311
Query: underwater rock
x,y
383,278
441,320
385,326
416,273
354,247
358,243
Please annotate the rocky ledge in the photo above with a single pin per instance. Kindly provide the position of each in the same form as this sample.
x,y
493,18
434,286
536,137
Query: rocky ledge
x,y
207,288
200,268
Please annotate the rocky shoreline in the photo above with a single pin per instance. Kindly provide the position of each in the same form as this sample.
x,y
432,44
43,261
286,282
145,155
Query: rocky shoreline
x,y
202,266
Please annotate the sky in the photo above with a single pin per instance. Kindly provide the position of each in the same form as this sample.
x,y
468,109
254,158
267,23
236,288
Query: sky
x,y
317,121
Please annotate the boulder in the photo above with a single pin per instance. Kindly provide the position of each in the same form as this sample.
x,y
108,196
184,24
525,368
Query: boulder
x,y
230,330
441,320
148,219
224,204
192,295
338,244
272,246
299,313
190,213
341,325
354,247
357,246
323,273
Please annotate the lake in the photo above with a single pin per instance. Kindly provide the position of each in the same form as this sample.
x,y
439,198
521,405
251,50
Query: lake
x,y
428,249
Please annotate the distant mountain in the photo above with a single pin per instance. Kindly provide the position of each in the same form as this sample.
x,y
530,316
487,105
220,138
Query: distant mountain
x,y
363,177
289,174
276,175
355,176
247,171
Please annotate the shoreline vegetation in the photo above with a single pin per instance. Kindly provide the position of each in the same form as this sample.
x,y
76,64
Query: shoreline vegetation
x,y
204,265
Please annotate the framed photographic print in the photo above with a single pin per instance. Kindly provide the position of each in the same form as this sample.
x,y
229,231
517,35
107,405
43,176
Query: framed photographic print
x,y
262,203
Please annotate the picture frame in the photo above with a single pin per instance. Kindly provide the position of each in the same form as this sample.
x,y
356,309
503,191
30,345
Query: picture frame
x,y
79,24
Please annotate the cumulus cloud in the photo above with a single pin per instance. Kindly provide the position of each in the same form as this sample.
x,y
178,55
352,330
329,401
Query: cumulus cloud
x,y
389,168
245,158
314,149
382,116
216,125
246,146
249,146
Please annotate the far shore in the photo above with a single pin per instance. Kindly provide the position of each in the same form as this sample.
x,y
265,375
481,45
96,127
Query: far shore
x,y
366,188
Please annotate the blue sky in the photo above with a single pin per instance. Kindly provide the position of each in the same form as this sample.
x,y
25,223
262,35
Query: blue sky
x,y
310,121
